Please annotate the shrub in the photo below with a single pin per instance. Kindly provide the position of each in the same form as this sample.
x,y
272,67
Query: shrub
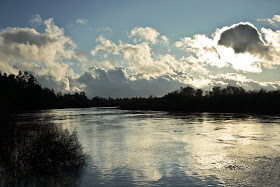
x,y
45,153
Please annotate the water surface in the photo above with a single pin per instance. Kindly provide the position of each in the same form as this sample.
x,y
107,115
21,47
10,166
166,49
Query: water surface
x,y
144,148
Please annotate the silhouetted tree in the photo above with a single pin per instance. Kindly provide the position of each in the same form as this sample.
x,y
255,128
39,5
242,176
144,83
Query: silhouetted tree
x,y
22,92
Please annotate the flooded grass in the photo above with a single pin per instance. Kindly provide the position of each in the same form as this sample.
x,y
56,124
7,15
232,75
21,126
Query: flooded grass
x,y
43,154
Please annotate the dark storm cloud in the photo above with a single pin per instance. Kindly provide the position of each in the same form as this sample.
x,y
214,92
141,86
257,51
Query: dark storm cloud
x,y
243,38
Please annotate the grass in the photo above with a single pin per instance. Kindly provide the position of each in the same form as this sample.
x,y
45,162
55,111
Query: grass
x,y
43,152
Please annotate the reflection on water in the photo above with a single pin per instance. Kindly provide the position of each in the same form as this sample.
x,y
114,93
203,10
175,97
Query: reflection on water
x,y
132,148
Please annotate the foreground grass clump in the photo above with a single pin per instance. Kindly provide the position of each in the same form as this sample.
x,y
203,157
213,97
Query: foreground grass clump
x,y
41,152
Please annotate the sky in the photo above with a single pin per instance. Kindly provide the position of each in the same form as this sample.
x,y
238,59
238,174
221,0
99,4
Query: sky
x,y
124,48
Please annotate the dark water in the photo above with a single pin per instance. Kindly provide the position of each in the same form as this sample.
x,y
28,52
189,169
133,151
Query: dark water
x,y
143,148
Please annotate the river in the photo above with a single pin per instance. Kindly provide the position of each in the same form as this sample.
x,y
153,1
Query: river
x,y
146,148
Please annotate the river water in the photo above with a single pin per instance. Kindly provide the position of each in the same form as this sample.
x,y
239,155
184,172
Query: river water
x,y
144,148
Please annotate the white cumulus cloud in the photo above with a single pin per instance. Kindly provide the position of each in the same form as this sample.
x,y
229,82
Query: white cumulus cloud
x,y
147,33
139,58
45,55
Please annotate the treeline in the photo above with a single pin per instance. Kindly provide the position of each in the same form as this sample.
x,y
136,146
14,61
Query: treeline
x,y
229,99
22,92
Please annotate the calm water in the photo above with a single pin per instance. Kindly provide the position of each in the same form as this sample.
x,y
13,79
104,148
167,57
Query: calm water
x,y
143,148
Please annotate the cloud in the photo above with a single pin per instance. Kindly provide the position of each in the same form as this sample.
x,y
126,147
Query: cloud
x,y
273,42
234,79
141,67
116,83
28,44
36,20
25,36
80,56
276,18
146,33
140,58
82,21
105,29
239,46
165,39
204,50
243,38
105,45
45,55
137,57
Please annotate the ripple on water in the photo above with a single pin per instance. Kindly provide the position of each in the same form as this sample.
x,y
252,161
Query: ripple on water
x,y
132,148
